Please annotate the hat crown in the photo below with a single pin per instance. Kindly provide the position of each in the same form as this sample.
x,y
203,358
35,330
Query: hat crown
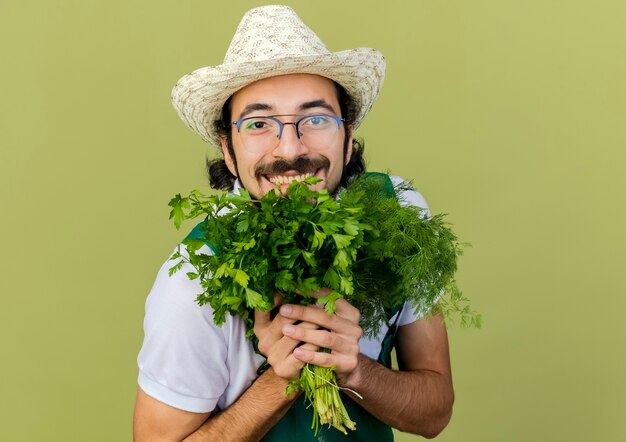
x,y
272,32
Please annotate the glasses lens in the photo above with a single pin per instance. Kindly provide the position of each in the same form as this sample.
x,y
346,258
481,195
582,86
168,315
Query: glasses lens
x,y
318,130
258,132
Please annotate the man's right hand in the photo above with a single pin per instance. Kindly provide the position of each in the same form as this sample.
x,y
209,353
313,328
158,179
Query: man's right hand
x,y
275,346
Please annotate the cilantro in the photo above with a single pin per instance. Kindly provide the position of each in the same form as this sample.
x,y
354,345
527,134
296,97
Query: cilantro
x,y
364,246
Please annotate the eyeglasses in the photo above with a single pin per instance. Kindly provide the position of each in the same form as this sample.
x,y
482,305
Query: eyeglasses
x,y
313,131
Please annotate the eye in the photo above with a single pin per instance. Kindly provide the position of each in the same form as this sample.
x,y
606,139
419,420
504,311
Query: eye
x,y
257,124
317,121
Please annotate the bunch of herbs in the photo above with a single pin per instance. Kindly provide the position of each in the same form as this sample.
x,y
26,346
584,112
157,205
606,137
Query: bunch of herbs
x,y
365,246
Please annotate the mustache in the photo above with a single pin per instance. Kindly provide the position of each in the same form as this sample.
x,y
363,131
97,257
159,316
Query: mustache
x,y
300,165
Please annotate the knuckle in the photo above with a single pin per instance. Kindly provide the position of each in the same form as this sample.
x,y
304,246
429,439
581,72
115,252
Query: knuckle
x,y
327,359
351,365
358,333
296,310
308,325
355,349
280,371
310,347
332,321
328,340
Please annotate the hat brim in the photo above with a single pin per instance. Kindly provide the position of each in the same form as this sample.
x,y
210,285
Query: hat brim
x,y
199,96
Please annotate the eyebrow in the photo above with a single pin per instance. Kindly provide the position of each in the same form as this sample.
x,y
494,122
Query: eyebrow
x,y
252,107
317,103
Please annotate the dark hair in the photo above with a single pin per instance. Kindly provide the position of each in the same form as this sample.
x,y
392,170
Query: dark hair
x,y
220,176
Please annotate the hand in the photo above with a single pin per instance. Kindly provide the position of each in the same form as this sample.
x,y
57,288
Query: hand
x,y
340,333
275,346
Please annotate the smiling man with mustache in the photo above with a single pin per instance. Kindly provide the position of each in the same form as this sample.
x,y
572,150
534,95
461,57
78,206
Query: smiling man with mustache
x,y
277,155
281,108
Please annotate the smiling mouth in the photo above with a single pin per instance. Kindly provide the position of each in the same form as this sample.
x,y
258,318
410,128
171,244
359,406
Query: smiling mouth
x,y
287,179
283,172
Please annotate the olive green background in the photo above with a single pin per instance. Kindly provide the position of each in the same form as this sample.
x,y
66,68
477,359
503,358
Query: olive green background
x,y
510,116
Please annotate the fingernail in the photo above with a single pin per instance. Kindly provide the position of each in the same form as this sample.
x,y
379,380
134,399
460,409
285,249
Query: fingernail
x,y
288,329
286,309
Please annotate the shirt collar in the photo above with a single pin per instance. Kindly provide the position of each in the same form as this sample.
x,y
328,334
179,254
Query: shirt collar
x,y
237,186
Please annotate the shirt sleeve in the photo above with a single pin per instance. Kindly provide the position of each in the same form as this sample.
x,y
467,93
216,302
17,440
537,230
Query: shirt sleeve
x,y
411,198
182,361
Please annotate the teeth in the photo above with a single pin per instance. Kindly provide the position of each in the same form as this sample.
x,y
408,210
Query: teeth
x,y
281,179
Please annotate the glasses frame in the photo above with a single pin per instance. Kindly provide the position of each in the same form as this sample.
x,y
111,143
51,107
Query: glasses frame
x,y
295,124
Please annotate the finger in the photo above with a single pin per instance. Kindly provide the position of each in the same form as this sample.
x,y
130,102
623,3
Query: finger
x,y
323,338
290,322
321,292
318,316
289,367
278,299
274,330
262,319
346,310
283,350
281,358
318,358
342,363
308,325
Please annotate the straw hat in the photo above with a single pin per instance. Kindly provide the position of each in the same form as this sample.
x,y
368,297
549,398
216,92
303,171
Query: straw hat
x,y
270,41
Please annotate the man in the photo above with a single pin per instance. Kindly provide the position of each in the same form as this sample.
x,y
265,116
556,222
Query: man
x,y
282,107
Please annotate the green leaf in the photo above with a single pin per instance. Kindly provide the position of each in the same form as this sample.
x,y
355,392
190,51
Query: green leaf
x,y
351,228
242,225
175,268
294,386
318,239
308,285
309,258
312,180
233,301
322,197
193,244
242,198
255,300
331,226
222,270
332,279
241,278
342,240
346,285
328,301
244,245
342,260
178,205
284,281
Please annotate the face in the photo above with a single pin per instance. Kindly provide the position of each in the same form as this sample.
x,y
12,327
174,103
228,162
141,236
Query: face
x,y
294,95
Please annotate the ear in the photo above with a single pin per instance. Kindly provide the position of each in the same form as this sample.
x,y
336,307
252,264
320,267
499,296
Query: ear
x,y
349,149
230,161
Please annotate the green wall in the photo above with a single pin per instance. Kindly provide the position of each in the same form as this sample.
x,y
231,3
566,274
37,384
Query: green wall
x,y
510,116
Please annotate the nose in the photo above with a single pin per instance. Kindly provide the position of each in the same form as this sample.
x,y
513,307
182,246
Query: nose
x,y
289,145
